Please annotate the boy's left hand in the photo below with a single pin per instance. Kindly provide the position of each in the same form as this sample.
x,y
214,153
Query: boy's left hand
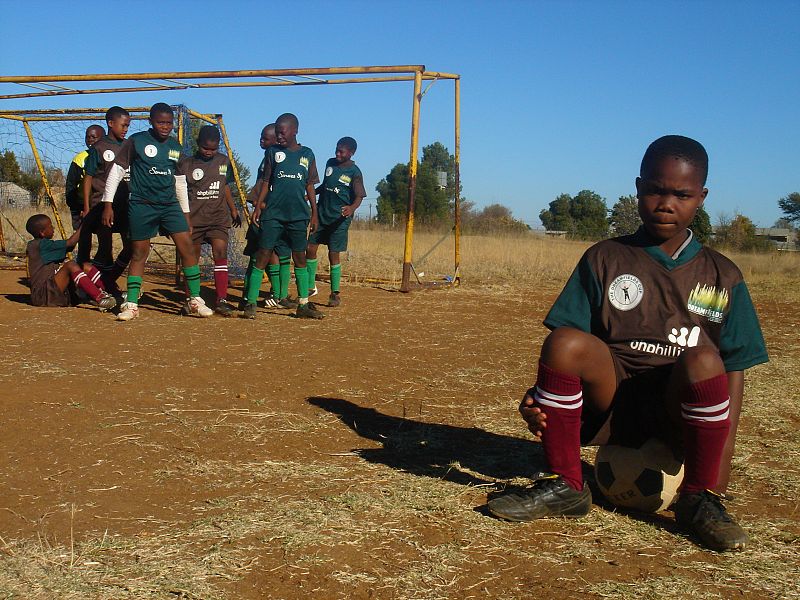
x,y
313,224
236,218
533,415
347,211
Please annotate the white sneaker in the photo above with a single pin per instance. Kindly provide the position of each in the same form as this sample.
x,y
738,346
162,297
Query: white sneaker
x,y
196,307
313,292
129,312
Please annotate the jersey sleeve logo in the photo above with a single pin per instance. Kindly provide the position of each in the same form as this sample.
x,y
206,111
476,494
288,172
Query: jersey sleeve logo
x,y
108,155
345,180
223,169
708,302
197,174
150,150
328,171
174,155
625,292
280,157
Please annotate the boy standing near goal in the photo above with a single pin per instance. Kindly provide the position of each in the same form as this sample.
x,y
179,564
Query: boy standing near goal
x,y
340,195
159,198
98,164
212,212
75,173
282,209
650,338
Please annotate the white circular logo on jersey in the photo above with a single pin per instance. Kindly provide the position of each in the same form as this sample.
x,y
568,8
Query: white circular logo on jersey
x,y
625,292
197,174
108,155
150,150
280,157
328,171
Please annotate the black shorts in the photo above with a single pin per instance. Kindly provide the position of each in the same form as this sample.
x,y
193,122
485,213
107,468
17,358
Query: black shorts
x,y
638,411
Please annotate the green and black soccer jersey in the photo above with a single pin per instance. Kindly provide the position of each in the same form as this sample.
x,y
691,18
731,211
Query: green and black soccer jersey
x,y
153,166
649,307
288,173
44,256
98,164
342,184
206,181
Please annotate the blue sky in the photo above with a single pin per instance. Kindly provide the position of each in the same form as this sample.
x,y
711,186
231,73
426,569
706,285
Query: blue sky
x,y
556,97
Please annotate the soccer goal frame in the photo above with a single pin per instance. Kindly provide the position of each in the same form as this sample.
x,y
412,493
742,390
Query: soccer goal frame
x,y
54,85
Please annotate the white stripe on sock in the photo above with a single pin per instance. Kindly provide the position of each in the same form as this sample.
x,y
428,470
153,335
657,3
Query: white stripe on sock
x,y
690,417
569,406
706,409
556,397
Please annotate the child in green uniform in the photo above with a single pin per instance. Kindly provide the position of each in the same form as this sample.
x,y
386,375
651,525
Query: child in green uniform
x,y
282,209
340,195
159,198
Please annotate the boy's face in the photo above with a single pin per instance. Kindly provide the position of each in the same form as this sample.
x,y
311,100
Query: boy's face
x,y
162,124
119,126
93,134
48,231
286,134
267,138
208,149
343,154
669,197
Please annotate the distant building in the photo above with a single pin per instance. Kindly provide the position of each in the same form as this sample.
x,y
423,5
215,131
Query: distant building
x,y
13,195
784,239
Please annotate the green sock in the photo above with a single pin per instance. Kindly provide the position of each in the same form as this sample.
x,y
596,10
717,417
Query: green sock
x,y
285,276
254,285
250,265
301,276
192,275
273,272
336,277
134,288
311,265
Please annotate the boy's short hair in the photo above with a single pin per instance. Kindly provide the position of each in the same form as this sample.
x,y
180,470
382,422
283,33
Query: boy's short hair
x,y
288,118
36,224
95,126
208,133
676,146
159,108
348,143
115,112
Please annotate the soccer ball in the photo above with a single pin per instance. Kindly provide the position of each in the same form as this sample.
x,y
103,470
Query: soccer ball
x,y
645,479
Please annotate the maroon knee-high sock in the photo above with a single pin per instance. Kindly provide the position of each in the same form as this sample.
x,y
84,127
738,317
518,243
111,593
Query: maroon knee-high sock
x,y
221,278
96,278
706,422
560,397
83,281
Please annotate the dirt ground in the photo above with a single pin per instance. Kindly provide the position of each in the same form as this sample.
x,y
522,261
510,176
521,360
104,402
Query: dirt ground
x,y
346,458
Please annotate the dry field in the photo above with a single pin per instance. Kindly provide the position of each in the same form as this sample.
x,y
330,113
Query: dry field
x,y
349,458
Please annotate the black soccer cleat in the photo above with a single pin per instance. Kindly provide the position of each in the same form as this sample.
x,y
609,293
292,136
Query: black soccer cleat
x,y
224,308
334,300
308,311
249,312
288,303
549,496
704,515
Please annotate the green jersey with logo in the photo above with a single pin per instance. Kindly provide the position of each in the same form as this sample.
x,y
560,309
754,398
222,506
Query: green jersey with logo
x,y
206,181
342,184
288,173
153,166
649,307
98,164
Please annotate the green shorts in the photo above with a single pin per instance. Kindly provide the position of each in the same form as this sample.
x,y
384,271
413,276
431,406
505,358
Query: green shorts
x,y
251,246
145,219
334,236
292,233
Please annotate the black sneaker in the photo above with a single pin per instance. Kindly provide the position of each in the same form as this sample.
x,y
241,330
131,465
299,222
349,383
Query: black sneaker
x,y
308,311
249,312
270,301
224,308
242,304
549,496
288,303
334,300
705,516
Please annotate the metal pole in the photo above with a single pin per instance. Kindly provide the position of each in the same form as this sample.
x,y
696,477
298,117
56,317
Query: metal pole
x,y
46,183
412,182
457,204
239,186
2,238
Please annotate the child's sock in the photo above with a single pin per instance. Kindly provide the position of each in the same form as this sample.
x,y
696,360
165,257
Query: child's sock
x,y
134,288
192,275
273,273
96,278
254,285
250,264
560,397
311,265
221,278
706,422
301,277
84,282
285,274
336,277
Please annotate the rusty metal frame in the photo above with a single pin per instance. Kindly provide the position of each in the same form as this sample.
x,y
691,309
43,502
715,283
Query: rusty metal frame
x,y
158,82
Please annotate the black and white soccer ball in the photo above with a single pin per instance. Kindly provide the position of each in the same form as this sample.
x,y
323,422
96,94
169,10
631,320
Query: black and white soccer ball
x,y
644,479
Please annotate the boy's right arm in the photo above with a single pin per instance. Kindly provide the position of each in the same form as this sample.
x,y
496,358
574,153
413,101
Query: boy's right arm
x,y
261,199
87,190
115,176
